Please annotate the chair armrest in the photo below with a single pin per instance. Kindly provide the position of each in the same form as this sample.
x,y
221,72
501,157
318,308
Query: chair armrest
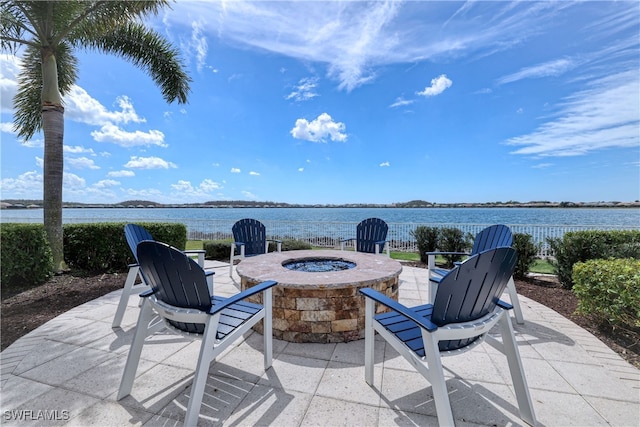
x,y
447,253
504,305
147,293
399,308
236,246
278,244
242,295
347,240
195,251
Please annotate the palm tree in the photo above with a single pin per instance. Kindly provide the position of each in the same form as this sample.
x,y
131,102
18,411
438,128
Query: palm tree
x,y
48,33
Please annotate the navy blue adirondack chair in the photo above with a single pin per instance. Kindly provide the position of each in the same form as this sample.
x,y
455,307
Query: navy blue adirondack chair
x,y
180,295
135,234
494,236
250,238
465,308
371,237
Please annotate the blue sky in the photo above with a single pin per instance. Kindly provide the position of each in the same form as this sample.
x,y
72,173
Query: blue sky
x,y
354,102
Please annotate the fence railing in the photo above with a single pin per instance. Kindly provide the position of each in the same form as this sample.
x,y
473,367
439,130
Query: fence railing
x,y
329,234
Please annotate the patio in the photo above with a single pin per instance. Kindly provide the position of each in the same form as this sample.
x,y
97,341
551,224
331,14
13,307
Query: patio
x,y
67,372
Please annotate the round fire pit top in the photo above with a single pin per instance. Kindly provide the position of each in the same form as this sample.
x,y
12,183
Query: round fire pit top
x,y
368,268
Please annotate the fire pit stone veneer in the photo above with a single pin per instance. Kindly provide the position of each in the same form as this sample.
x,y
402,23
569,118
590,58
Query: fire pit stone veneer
x,y
320,307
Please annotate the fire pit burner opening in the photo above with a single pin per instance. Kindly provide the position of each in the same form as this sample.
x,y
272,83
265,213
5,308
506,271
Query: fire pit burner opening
x,y
319,265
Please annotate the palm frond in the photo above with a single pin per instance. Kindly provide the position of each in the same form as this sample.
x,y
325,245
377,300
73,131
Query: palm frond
x,y
27,100
149,51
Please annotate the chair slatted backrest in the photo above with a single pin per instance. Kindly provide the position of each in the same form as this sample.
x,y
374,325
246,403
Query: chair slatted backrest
x,y
135,234
495,236
175,279
252,233
368,232
472,290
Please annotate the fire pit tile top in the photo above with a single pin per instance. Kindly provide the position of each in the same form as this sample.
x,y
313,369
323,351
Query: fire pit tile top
x,y
368,268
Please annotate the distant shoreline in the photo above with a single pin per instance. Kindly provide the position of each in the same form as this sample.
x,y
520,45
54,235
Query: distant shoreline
x,y
140,204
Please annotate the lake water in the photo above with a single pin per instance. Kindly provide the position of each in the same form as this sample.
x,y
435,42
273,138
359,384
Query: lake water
x,y
611,217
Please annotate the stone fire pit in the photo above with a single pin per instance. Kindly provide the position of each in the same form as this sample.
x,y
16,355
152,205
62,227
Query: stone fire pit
x,y
320,307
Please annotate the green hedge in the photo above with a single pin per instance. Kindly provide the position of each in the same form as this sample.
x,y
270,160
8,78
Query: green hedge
x,y
426,240
580,246
527,253
99,247
609,290
25,255
221,249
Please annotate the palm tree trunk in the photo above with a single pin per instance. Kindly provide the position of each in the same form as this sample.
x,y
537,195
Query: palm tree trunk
x,y
53,129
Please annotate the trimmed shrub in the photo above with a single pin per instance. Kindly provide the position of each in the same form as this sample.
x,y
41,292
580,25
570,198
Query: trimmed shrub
x,y
291,245
102,247
221,249
580,246
426,240
218,250
25,255
527,253
453,240
609,290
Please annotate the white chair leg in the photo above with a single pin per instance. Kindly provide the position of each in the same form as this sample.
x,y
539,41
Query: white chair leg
x,y
436,378
124,298
510,347
267,330
201,374
369,341
142,331
515,301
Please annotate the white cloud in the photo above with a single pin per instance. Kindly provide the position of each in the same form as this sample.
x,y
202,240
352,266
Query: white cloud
x,y
551,68
209,185
39,162
7,127
78,149
27,186
82,107
106,183
354,38
235,170
121,174
9,70
319,129
401,102
305,90
148,163
112,133
184,190
606,114
254,173
34,143
542,165
249,195
82,163
300,169
385,164
144,194
71,182
199,44
438,85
